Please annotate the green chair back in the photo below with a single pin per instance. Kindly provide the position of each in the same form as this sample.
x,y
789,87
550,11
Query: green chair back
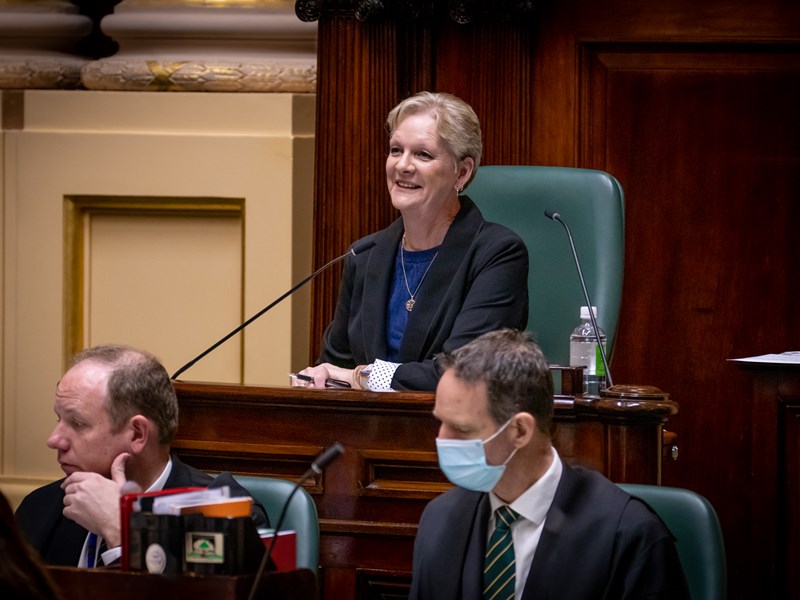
x,y
301,516
592,204
698,536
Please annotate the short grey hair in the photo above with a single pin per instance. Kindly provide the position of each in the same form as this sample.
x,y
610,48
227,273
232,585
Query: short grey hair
x,y
515,371
456,123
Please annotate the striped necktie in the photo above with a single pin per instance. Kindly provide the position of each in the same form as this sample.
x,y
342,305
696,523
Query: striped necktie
x,y
500,565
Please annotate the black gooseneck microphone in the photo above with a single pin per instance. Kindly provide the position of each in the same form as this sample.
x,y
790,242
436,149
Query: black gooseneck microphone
x,y
357,248
317,467
550,214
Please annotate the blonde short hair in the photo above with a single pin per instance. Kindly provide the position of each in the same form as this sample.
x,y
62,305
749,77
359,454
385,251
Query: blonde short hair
x,y
456,123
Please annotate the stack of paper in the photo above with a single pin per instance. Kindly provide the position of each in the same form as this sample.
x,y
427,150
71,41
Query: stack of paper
x,y
791,357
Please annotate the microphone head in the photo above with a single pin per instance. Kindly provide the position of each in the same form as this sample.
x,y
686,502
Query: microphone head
x,y
327,457
362,246
551,214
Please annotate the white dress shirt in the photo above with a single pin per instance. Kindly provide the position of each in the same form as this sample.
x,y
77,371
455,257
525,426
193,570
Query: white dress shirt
x,y
532,506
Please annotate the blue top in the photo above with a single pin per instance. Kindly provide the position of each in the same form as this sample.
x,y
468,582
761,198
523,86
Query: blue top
x,y
416,265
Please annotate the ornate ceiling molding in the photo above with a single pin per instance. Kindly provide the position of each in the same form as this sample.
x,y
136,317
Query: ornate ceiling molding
x,y
38,40
460,11
206,46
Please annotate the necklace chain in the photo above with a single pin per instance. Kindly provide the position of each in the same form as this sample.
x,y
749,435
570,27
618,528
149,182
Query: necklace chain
x,y
411,301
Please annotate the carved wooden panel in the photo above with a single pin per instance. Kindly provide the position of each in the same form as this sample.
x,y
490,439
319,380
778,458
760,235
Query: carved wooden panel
x,y
704,139
774,470
788,542
269,460
369,501
400,474
374,584
90,584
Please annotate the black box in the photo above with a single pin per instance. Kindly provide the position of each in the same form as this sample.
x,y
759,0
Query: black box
x,y
194,543
219,545
155,543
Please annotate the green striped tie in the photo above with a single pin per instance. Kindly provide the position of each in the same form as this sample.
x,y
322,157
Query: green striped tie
x,y
499,567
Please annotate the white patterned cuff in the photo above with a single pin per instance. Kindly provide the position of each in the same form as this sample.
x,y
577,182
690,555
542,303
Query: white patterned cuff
x,y
381,373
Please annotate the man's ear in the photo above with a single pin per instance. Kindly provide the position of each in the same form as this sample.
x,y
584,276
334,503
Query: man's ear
x,y
140,428
524,428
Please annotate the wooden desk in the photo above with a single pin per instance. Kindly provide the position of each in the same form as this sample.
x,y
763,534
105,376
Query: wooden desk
x,y
775,473
370,500
91,584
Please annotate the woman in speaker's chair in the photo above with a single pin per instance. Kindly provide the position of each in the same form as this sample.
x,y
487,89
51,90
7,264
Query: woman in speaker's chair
x,y
436,278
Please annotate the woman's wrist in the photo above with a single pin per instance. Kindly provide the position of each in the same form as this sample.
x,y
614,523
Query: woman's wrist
x,y
358,382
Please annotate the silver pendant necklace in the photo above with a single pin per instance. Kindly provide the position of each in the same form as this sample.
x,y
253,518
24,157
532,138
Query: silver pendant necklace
x,y
411,301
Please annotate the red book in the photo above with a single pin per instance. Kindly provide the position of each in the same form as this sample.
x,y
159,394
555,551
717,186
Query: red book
x,y
284,552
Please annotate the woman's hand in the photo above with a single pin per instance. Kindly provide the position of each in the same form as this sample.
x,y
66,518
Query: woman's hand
x,y
321,374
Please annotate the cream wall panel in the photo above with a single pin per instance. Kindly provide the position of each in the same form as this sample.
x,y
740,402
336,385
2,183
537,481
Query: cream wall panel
x,y
207,273
167,113
144,275
3,413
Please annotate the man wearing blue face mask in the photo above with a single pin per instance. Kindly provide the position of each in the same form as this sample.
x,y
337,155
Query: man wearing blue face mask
x,y
522,524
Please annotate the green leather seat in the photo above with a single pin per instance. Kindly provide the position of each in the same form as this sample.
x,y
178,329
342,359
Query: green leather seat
x,y
301,515
592,204
698,536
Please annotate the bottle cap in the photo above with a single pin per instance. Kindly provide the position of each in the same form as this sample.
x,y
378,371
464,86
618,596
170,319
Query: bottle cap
x,y
585,312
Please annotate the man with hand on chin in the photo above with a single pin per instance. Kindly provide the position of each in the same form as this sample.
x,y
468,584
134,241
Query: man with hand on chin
x,y
117,413
521,523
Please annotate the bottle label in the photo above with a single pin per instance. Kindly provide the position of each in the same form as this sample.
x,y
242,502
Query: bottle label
x,y
598,361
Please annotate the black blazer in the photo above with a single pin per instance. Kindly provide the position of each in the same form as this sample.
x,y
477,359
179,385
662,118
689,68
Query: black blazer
x,y
478,283
59,540
598,542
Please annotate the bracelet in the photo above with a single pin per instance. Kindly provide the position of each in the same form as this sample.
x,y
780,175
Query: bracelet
x,y
357,377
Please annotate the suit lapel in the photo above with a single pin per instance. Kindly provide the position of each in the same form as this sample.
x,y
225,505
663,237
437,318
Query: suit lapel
x,y
69,538
436,286
58,539
179,475
378,274
538,583
472,568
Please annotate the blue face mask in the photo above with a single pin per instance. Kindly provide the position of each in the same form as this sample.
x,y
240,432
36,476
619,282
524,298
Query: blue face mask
x,y
464,462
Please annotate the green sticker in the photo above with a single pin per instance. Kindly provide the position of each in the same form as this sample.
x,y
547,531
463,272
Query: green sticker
x,y
598,361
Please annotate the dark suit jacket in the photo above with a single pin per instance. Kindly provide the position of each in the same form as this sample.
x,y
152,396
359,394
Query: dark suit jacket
x,y
478,283
59,540
598,542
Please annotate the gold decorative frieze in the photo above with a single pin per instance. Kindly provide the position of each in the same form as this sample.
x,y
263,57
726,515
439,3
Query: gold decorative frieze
x,y
206,46
199,76
40,72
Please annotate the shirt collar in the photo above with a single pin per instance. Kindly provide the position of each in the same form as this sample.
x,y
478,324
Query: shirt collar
x,y
534,502
161,481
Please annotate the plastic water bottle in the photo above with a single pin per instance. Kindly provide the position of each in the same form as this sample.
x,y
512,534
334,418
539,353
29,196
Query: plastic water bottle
x,y
584,351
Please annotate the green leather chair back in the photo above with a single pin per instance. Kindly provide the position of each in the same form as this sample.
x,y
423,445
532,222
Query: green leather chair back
x,y
698,536
592,204
301,516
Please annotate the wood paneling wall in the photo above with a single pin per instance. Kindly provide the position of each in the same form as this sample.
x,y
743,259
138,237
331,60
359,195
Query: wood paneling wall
x,y
693,107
